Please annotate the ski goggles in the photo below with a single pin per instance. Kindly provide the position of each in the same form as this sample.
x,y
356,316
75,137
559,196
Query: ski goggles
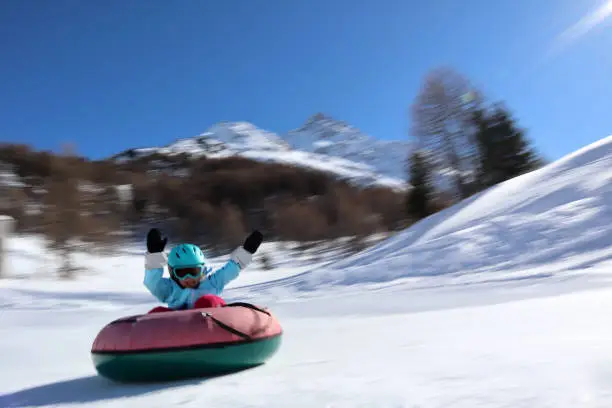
x,y
190,272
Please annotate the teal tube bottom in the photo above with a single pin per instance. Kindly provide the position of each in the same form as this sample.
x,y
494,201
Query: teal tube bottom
x,y
169,365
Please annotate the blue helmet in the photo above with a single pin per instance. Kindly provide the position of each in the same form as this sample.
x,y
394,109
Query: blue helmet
x,y
185,256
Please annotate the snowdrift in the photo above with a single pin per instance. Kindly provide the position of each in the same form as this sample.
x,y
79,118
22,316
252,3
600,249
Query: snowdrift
x,y
551,221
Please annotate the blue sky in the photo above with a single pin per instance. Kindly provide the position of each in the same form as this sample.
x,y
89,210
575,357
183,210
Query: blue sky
x,y
111,75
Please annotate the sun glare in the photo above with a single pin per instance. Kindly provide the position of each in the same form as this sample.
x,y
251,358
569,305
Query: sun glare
x,y
587,23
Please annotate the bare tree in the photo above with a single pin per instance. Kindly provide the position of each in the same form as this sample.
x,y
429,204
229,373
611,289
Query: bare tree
x,y
63,219
232,230
441,125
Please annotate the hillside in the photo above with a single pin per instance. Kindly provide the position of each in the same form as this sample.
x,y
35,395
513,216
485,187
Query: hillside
x,y
322,144
501,300
212,201
552,224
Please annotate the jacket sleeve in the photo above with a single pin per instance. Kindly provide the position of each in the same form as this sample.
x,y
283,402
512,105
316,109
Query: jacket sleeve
x,y
239,259
159,287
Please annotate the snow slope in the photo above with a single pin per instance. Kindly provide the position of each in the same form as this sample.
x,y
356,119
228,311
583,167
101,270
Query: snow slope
x,y
322,144
501,301
554,221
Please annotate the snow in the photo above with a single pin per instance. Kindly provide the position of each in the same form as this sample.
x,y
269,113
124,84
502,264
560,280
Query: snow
x,y
500,301
322,134
343,168
8,177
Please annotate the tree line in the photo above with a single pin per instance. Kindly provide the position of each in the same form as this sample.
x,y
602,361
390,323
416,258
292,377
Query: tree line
x,y
212,202
462,144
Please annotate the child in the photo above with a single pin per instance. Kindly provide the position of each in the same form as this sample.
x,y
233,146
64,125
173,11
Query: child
x,y
193,284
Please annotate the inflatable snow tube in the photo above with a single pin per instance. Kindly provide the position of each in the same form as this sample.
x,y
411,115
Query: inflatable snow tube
x,y
187,343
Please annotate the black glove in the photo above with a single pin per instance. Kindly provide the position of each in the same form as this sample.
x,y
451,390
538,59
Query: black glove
x,y
155,243
252,242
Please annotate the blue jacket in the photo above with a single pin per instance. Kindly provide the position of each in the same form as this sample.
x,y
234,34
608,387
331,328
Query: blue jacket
x,y
168,291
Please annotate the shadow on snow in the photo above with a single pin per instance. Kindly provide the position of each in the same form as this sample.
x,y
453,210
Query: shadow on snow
x,y
89,389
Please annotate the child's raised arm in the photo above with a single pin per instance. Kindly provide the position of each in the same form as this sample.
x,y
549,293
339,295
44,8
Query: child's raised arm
x,y
239,259
155,260
159,286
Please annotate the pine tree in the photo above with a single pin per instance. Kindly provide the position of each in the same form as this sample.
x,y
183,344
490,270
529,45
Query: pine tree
x,y
504,149
418,203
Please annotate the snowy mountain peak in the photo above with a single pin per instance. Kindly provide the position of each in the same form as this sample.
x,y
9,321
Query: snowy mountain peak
x,y
326,127
323,119
323,134
241,136
322,143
